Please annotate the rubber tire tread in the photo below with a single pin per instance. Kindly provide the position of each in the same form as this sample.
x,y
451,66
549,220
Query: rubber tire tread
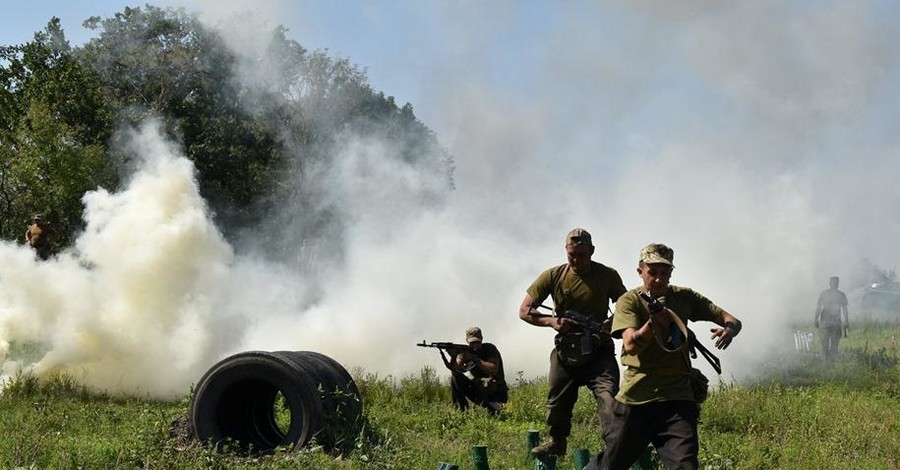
x,y
338,393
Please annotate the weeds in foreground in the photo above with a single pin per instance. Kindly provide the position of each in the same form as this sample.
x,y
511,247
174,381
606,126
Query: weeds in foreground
x,y
804,414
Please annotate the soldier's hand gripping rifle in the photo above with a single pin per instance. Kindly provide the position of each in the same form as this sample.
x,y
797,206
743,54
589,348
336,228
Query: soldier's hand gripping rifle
x,y
673,338
589,326
453,350
580,320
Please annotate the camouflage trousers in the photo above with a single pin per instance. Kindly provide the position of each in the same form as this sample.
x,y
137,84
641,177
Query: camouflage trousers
x,y
600,374
670,426
463,389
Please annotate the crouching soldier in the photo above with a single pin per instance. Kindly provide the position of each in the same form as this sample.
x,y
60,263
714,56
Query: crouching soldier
x,y
477,375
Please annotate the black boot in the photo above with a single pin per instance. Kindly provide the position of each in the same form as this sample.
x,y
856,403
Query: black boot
x,y
554,445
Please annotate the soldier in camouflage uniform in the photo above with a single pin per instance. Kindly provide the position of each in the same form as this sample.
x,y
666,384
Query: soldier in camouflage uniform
x,y
832,303
587,287
656,403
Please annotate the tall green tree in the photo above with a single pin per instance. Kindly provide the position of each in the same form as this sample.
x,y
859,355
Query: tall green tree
x,y
253,137
163,62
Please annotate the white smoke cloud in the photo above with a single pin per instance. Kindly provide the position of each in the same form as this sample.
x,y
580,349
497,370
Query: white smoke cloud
x,y
756,148
133,306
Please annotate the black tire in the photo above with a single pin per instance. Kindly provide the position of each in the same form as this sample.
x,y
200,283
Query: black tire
x,y
341,421
233,405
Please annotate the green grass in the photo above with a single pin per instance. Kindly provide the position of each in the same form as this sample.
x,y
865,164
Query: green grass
x,y
802,415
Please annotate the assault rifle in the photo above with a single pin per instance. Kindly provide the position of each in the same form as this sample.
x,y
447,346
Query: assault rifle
x,y
655,306
583,344
581,320
452,350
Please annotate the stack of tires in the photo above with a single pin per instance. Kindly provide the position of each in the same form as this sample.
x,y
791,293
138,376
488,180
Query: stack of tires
x,y
257,401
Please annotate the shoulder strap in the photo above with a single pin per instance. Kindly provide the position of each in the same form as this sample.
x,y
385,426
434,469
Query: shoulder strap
x,y
557,288
692,342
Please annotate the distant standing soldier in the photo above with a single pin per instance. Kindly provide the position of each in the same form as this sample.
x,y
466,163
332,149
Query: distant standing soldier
x,y
39,235
832,303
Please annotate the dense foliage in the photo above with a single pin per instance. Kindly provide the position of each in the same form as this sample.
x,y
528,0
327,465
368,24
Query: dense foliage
x,y
254,138
54,125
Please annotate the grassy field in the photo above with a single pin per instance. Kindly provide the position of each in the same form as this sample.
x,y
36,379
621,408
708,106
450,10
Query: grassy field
x,y
803,415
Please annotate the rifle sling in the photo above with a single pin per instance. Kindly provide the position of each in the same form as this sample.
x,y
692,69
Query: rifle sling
x,y
694,343
707,354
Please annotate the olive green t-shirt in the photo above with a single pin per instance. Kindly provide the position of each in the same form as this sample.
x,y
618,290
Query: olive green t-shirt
x,y
589,293
655,374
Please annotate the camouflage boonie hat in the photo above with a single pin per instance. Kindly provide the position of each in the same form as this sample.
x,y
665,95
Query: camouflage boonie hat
x,y
578,236
473,334
657,253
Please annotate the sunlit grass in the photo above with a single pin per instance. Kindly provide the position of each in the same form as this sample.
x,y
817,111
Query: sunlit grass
x,y
803,414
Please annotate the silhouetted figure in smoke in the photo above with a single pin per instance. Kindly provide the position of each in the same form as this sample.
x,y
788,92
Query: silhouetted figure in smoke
x,y
40,236
478,375
832,303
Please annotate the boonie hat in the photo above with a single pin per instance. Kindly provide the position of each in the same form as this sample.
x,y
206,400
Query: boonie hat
x,y
578,236
473,335
656,253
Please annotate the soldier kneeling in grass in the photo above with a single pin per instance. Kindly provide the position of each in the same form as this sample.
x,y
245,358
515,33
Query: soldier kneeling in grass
x,y
477,375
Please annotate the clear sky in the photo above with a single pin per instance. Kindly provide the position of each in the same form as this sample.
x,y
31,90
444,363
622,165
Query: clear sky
x,y
398,42
758,138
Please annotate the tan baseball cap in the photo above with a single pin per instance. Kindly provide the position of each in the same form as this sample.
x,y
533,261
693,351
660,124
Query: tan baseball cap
x,y
473,335
578,236
656,253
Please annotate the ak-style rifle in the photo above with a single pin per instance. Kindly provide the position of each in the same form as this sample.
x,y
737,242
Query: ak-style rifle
x,y
452,350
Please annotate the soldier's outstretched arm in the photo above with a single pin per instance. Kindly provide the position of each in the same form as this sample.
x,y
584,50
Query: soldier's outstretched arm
x,y
730,327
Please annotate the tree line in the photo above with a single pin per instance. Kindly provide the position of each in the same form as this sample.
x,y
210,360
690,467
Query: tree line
x,y
252,143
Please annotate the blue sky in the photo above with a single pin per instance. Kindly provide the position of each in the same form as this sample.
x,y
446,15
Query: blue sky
x,y
328,28
396,42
